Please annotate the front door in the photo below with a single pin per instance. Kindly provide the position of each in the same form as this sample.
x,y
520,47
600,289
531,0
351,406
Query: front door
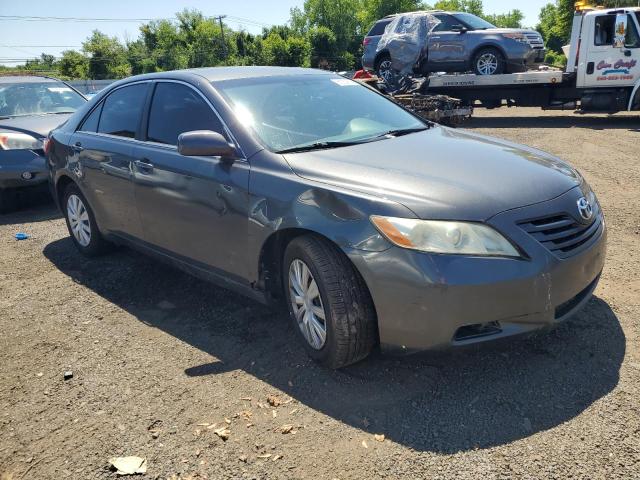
x,y
607,64
447,45
195,208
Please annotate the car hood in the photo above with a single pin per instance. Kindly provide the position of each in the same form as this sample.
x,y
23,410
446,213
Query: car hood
x,y
40,125
442,173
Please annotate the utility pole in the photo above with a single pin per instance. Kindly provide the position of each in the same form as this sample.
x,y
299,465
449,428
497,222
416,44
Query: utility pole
x,y
224,44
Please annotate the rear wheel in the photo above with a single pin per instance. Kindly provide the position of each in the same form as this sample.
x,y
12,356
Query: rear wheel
x,y
82,224
328,302
489,61
383,67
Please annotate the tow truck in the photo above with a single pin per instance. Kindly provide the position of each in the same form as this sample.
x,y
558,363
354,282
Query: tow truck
x,y
602,74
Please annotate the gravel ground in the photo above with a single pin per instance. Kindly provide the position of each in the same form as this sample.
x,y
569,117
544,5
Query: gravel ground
x,y
161,361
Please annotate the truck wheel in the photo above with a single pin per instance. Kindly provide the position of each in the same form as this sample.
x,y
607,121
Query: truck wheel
x,y
81,223
328,302
383,66
488,61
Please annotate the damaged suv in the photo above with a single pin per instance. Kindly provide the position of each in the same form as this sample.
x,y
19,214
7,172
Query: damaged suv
x,y
437,41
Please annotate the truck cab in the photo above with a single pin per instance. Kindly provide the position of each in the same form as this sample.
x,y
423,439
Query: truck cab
x,y
605,56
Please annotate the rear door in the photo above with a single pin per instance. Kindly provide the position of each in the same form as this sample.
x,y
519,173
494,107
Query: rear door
x,y
104,144
195,208
607,64
447,45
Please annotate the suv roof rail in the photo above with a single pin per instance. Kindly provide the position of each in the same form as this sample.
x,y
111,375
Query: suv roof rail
x,y
416,11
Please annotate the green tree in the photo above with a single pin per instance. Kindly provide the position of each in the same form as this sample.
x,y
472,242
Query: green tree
x,y
275,50
511,19
73,64
373,10
324,47
470,6
107,57
298,49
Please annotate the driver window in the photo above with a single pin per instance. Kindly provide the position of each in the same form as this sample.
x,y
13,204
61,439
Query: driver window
x,y
604,34
447,24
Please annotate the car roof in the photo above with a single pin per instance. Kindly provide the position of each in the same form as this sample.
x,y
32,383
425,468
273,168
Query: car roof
x,y
393,15
218,74
25,79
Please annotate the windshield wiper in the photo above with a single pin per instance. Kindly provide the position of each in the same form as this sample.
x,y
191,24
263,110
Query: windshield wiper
x,y
317,146
58,113
401,131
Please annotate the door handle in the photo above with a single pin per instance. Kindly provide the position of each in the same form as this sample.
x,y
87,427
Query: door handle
x,y
77,147
143,166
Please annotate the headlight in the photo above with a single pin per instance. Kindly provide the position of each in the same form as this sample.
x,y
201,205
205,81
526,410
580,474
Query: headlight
x,y
438,236
19,141
518,37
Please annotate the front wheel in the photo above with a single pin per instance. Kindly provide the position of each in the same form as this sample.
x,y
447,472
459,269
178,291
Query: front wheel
x,y
489,61
328,301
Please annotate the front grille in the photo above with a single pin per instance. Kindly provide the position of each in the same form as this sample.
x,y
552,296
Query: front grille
x,y
535,40
562,234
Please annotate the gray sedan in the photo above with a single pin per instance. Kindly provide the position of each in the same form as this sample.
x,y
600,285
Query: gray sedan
x,y
370,224
30,106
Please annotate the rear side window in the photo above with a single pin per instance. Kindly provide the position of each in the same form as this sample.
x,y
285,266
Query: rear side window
x,y
122,110
378,28
90,123
176,109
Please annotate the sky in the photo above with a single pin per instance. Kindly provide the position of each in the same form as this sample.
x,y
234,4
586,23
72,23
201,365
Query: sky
x,y
20,39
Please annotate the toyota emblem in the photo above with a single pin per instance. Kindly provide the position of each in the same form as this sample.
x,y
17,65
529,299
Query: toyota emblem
x,y
585,209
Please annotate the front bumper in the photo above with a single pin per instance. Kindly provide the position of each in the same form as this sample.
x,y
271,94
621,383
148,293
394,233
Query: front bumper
x,y
426,301
14,163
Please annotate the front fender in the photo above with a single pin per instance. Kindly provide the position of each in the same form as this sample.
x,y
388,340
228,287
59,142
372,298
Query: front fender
x,y
281,200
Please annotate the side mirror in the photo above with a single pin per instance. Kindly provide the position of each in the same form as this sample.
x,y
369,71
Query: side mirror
x,y
205,143
620,33
459,29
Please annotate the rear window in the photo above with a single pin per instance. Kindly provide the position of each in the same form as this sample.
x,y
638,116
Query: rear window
x,y
122,110
378,28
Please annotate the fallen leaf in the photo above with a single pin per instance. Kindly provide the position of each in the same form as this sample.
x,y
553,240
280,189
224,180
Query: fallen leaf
x,y
379,438
213,425
264,455
286,428
129,465
364,444
273,401
223,433
227,420
277,457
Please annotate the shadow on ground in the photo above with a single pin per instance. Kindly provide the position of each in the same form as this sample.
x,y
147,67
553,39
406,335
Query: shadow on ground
x,y
441,402
613,122
30,206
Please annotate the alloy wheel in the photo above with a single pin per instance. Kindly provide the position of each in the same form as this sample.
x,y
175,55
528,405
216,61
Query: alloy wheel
x,y
487,63
384,70
307,304
79,220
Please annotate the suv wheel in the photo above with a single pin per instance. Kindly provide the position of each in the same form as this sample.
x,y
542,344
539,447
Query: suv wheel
x,y
384,67
81,223
488,61
328,302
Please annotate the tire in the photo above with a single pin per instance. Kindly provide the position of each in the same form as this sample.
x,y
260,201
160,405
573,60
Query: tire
x,y
383,66
86,237
343,298
489,61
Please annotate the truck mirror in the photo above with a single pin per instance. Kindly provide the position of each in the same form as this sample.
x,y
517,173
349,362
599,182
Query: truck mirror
x,y
620,31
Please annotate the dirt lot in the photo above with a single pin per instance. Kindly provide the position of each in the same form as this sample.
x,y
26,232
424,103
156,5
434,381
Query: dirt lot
x,y
161,361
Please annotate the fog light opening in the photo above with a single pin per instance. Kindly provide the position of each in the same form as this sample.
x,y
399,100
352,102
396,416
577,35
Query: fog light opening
x,y
477,330
27,175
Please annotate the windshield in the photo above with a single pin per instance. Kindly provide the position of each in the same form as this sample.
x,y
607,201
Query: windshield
x,y
476,23
30,98
287,111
